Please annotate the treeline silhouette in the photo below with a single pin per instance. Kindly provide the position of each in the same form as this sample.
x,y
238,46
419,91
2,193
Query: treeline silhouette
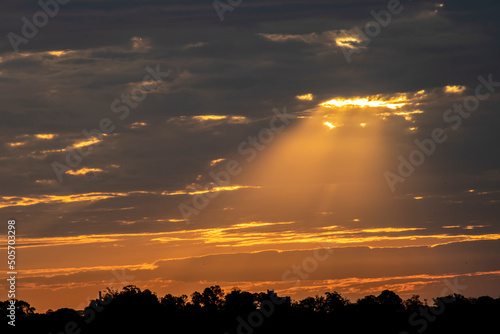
x,y
133,310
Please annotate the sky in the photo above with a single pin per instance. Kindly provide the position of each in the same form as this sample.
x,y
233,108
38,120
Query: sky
x,y
300,146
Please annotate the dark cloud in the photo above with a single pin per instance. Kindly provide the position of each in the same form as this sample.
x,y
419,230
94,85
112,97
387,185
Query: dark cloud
x,y
66,78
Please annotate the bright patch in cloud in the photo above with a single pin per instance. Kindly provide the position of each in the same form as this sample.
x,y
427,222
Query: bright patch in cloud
x,y
137,125
230,119
8,201
307,97
376,101
330,125
349,41
339,38
361,110
16,144
216,161
472,227
46,136
209,120
46,182
209,117
454,89
84,171
87,142
58,53
211,190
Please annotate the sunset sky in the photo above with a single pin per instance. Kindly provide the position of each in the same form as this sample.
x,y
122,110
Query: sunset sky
x,y
302,121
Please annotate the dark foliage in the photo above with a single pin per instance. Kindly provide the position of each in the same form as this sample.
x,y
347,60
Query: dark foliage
x,y
211,311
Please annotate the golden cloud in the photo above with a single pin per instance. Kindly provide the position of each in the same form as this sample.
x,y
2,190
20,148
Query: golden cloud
x,y
84,171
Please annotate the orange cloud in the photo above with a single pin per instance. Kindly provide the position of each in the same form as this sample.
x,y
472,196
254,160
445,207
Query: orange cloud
x,y
7,201
84,171
375,101
216,161
46,136
305,97
214,189
454,89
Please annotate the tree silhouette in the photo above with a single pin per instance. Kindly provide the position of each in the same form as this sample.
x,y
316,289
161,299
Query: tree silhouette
x,y
133,310
313,304
196,300
23,308
390,301
413,304
172,303
334,302
367,302
240,302
213,298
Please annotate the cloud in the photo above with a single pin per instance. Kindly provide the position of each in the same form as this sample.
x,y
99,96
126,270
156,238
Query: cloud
x,y
222,89
204,121
216,161
46,136
338,38
83,171
307,97
455,89
358,272
8,201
